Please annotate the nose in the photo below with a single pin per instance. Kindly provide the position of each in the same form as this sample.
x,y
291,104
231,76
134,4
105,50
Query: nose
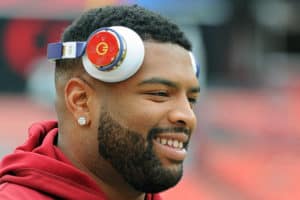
x,y
182,114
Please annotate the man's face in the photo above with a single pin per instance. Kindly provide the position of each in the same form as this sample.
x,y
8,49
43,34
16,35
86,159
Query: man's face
x,y
146,122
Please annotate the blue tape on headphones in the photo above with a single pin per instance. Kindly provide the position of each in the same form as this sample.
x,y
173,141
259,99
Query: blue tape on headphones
x,y
64,50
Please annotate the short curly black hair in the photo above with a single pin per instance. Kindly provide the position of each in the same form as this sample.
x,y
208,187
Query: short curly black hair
x,y
149,25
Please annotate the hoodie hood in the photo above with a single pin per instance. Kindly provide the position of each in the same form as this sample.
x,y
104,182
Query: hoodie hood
x,y
41,166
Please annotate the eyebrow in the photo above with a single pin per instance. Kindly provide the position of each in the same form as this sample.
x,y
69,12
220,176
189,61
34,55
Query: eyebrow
x,y
156,80
194,90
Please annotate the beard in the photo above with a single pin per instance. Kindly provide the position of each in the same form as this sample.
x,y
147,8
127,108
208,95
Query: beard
x,y
133,156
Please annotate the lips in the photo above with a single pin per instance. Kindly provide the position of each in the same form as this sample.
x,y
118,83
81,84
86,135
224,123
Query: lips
x,y
171,146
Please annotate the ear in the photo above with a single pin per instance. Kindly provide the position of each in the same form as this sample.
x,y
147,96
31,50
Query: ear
x,y
78,95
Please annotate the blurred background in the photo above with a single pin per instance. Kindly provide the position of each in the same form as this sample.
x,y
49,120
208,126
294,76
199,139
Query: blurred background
x,y
247,143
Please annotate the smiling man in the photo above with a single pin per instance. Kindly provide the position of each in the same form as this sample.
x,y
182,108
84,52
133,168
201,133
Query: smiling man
x,y
126,85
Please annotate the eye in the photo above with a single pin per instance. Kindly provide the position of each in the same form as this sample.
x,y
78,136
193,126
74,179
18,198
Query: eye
x,y
158,96
193,101
159,93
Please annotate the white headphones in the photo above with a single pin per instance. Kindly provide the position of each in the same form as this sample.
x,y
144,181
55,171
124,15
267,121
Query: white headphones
x,y
110,54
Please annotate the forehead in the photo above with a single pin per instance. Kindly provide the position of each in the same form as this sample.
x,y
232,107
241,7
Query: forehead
x,y
167,60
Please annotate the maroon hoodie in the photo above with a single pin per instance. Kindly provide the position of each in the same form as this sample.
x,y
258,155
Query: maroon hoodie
x,y
38,170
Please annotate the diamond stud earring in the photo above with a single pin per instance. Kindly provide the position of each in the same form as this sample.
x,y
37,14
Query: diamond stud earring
x,y
82,121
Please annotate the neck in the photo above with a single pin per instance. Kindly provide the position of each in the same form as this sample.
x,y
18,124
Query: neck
x,y
105,176
112,184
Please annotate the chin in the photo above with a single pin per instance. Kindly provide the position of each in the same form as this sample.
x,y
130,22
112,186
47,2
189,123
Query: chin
x,y
165,178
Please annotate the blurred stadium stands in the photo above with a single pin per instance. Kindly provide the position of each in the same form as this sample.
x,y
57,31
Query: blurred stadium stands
x,y
247,143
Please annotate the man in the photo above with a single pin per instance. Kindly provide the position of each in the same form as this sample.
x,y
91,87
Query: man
x,y
121,134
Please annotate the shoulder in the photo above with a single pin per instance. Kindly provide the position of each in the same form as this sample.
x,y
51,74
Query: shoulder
x,y
10,191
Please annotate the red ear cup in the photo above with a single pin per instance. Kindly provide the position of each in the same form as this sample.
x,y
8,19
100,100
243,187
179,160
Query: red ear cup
x,y
113,54
103,48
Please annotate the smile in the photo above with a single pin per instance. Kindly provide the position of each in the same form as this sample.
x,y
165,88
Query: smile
x,y
171,146
170,142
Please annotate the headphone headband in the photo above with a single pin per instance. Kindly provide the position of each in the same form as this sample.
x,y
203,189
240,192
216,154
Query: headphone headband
x,y
110,54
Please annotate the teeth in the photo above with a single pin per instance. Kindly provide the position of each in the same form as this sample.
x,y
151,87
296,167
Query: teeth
x,y
180,145
172,143
158,140
175,143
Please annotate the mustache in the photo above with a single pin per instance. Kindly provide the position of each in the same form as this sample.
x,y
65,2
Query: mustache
x,y
159,130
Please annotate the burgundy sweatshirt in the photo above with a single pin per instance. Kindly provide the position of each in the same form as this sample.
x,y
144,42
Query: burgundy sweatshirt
x,y
39,170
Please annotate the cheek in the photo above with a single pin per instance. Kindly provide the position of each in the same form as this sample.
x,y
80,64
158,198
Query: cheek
x,y
153,114
139,115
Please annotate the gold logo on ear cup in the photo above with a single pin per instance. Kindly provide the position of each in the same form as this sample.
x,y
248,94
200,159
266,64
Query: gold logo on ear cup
x,y
102,48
